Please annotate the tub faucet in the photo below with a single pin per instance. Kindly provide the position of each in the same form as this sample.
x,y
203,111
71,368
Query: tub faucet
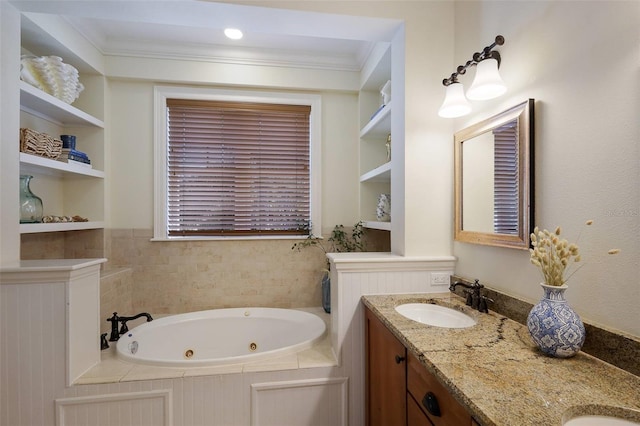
x,y
115,319
103,342
114,327
474,298
123,320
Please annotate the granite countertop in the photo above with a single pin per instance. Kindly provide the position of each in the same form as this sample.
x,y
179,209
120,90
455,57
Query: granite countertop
x,y
495,370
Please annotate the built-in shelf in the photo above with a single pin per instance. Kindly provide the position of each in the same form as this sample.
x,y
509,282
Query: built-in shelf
x,y
375,127
384,226
34,228
42,165
41,104
65,187
379,125
379,174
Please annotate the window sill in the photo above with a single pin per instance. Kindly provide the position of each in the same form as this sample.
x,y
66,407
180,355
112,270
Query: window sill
x,y
232,238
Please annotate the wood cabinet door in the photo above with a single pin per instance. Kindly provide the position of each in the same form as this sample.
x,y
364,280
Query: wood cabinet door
x,y
386,382
420,383
415,416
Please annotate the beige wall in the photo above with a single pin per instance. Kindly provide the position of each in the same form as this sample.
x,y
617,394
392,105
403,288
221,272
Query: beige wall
x,y
173,277
579,60
576,59
188,276
423,178
131,170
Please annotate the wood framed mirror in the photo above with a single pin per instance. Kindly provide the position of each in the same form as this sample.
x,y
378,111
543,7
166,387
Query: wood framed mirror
x,y
494,179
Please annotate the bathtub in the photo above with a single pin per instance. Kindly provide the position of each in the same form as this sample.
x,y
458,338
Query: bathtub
x,y
220,336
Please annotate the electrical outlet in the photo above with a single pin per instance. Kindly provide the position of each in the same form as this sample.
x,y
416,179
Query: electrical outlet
x,y
439,278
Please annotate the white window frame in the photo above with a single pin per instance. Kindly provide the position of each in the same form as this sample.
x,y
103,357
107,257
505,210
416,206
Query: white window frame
x,y
162,93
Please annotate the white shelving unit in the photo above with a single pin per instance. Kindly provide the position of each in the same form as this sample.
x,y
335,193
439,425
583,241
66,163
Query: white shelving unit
x,y
66,189
43,105
382,226
379,174
35,228
375,125
34,164
379,125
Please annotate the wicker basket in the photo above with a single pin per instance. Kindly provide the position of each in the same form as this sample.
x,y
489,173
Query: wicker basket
x,y
37,143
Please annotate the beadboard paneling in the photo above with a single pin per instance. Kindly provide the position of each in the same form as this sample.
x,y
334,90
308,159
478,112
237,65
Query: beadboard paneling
x,y
356,274
152,408
33,351
315,402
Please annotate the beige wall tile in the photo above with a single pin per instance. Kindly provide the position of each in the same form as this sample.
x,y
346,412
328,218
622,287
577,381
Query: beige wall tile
x,y
162,277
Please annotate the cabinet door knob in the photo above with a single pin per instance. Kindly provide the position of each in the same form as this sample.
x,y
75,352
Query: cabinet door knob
x,y
399,359
430,402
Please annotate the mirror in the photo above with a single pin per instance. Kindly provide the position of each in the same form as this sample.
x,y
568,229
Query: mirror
x,y
493,179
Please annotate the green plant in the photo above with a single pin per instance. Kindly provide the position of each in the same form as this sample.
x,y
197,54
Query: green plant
x,y
340,240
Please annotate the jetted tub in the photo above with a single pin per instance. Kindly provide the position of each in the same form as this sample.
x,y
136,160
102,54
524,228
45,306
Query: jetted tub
x,y
220,336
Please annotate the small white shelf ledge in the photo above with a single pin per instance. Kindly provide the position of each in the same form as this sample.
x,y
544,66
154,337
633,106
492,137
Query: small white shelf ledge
x,y
383,226
379,125
36,228
41,104
379,174
42,165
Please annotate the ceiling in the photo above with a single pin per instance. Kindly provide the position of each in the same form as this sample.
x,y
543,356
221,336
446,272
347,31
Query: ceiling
x,y
193,29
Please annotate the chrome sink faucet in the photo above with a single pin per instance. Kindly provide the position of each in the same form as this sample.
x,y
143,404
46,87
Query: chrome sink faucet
x,y
475,298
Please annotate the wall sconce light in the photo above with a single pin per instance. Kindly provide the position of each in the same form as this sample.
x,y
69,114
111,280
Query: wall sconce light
x,y
487,83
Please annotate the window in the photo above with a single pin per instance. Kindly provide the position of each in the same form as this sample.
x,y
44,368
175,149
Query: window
x,y
234,165
506,219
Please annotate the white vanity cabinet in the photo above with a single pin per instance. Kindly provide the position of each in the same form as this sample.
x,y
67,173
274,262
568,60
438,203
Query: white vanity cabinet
x,y
65,189
375,125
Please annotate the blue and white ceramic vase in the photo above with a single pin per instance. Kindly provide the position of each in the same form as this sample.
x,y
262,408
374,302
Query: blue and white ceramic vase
x,y
554,326
383,210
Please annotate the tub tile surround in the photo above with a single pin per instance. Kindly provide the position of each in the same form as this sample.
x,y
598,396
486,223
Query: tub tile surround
x,y
495,370
613,347
183,276
112,370
116,286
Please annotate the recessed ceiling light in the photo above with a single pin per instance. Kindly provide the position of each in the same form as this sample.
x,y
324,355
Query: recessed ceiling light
x,y
233,33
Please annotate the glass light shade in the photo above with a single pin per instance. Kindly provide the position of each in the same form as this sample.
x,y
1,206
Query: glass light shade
x,y
233,33
487,83
455,104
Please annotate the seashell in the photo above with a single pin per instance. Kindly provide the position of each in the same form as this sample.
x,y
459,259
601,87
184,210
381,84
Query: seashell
x,y
51,75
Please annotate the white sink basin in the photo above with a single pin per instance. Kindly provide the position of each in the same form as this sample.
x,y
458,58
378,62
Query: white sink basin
x,y
601,415
599,421
436,315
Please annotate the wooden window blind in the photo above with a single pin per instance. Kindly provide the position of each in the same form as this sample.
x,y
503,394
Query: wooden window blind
x,y
506,179
237,168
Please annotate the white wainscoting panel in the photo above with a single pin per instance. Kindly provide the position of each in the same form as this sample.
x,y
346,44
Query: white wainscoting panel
x,y
37,343
32,318
45,342
356,274
152,408
314,402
